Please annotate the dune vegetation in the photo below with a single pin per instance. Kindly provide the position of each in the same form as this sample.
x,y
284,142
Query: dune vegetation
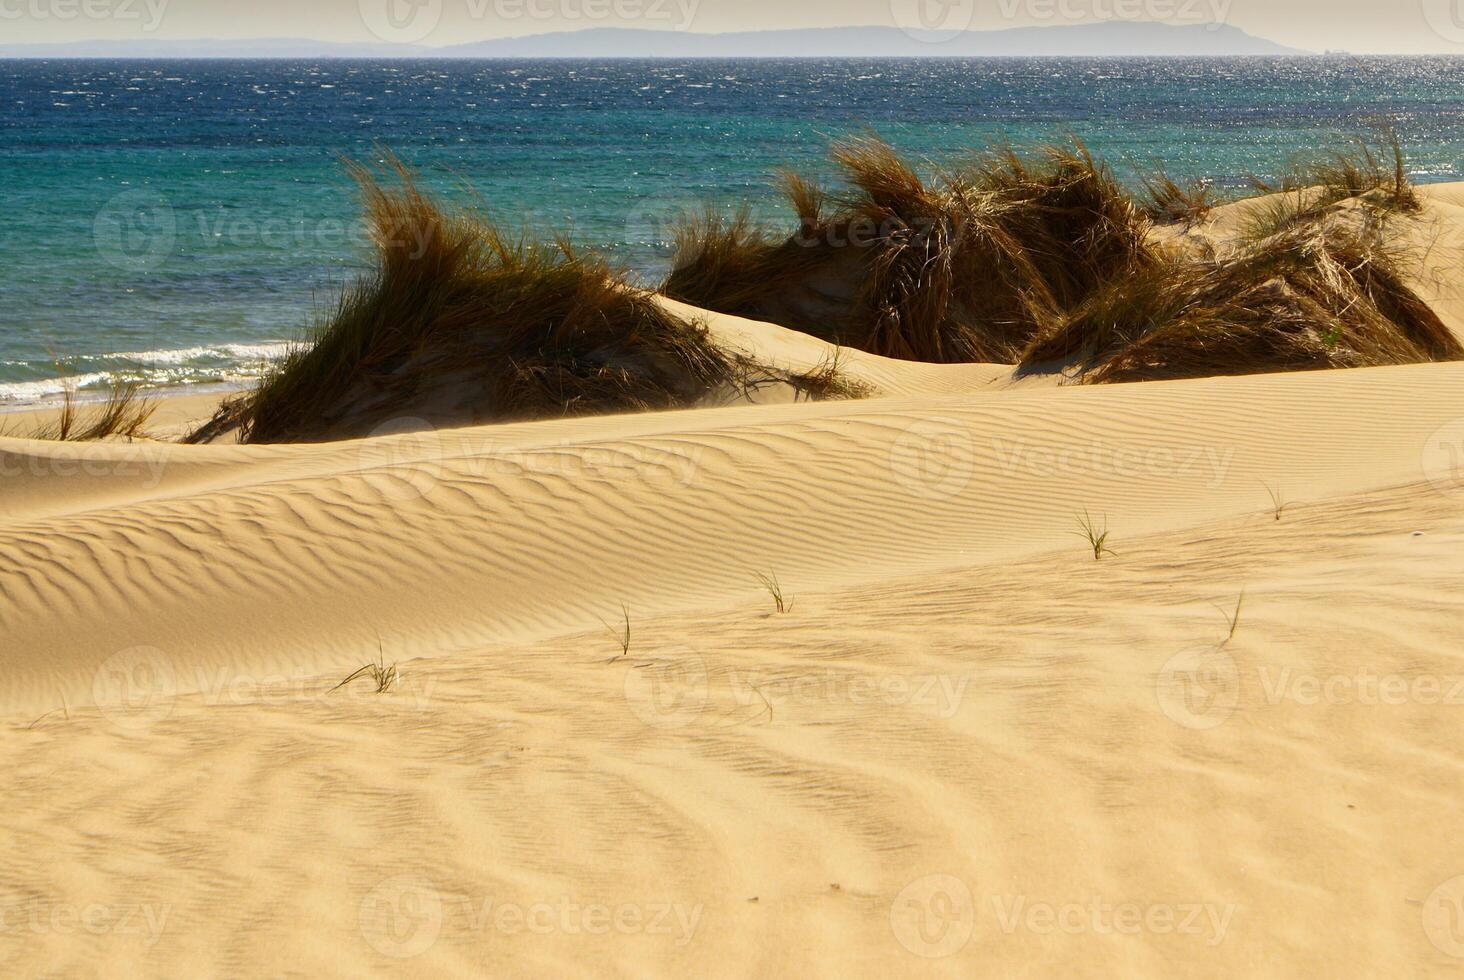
x,y
124,414
461,322
968,267
1043,259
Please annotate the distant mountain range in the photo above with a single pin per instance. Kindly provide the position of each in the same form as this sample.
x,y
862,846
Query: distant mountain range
x,y
1110,38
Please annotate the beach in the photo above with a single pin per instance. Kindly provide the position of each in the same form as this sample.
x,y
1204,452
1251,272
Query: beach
x,y
791,686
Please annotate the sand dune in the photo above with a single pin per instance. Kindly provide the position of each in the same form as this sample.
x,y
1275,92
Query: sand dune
x,y
974,771
968,748
298,557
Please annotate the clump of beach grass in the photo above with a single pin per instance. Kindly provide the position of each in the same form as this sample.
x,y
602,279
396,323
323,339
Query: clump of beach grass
x,y
769,581
1167,202
382,675
967,266
461,321
1095,534
124,415
1324,294
1370,172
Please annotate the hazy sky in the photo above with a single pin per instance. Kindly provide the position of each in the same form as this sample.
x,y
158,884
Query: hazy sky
x,y
1403,26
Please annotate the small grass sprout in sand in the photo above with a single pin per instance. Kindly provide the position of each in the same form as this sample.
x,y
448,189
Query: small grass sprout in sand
x,y
1168,202
1232,617
620,636
1096,536
770,582
1278,502
383,676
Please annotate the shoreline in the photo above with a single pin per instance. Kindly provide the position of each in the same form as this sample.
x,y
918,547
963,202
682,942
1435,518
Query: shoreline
x,y
81,399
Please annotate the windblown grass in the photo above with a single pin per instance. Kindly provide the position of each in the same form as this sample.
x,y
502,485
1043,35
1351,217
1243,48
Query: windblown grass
x,y
965,268
1168,202
461,322
124,415
1369,172
1320,295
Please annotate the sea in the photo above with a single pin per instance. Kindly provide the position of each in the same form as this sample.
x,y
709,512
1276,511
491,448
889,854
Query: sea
x,y
181,223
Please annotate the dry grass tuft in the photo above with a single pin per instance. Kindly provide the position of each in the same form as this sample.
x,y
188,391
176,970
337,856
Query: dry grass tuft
x,y
1170,203
462,323
1371,173
124,415
382,675
769,581
967,268
1319,295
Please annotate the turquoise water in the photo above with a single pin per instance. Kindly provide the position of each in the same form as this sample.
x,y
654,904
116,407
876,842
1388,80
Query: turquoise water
x,y
179,222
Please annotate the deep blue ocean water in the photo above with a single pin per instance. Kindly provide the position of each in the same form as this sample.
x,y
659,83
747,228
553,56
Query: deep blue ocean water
x,y
178,221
